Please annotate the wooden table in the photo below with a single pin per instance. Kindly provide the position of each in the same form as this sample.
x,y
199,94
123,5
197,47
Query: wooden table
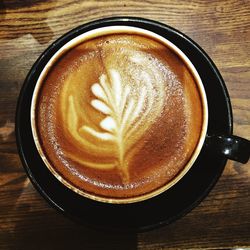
x,y
222,28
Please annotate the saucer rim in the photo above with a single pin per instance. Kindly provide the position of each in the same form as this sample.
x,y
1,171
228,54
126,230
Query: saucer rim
x,y
23,152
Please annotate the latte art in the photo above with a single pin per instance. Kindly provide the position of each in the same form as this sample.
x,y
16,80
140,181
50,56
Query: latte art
x,y
118,116
128,115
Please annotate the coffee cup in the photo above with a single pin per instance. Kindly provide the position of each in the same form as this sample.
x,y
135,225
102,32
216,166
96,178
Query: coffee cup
x,y
119,115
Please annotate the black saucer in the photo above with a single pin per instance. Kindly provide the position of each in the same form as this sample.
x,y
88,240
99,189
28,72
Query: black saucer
x,y
157,211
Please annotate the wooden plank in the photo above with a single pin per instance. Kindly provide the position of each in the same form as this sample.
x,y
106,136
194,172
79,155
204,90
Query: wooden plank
x,y
222,28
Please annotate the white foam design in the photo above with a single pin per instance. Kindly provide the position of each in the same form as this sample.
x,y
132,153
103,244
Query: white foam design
x,y
102,107
127,115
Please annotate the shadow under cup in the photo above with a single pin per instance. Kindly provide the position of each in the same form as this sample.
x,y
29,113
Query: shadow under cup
x,y
100,32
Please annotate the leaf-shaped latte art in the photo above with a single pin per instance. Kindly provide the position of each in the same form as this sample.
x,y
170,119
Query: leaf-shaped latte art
x,y
127,115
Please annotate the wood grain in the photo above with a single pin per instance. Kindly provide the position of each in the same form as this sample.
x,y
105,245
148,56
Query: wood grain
x,y
222,28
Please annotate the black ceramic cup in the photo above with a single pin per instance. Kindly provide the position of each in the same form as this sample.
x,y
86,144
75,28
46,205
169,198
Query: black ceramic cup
x,y
218,146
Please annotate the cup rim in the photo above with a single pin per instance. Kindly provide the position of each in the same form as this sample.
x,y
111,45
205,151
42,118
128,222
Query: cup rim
x,y
104,31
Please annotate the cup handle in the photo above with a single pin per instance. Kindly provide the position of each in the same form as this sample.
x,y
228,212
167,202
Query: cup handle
x,y
233,147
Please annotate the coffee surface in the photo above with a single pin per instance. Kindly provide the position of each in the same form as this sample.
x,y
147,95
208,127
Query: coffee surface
x,y
118,116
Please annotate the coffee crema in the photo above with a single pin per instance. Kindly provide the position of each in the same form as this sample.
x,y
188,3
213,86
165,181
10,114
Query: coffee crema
x,y
118,116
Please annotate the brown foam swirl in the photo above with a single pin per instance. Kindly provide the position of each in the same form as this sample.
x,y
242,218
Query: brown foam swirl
x,y
129,101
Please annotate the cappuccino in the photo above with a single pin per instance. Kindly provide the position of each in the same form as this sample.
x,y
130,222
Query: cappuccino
x,y
118,116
